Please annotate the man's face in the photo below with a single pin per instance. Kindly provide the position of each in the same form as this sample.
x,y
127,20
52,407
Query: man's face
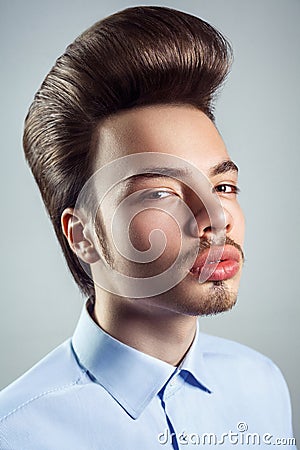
x,y
187,133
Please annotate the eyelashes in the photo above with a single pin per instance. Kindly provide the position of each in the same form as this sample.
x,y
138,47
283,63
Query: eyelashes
x,y
227,188
158,194
161,194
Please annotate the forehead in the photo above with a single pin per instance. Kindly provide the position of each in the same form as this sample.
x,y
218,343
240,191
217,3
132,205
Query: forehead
x,y
178,130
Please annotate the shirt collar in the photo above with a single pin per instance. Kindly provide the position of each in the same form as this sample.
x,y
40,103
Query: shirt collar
x,y
131,377
194,362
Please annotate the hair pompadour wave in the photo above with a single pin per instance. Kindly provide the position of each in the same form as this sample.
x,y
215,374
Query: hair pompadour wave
x,y
139,56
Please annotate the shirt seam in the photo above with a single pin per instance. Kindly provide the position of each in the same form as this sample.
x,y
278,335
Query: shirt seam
x,y
42,394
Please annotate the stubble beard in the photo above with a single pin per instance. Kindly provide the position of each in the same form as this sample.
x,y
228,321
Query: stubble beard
x,y
216,299
207,299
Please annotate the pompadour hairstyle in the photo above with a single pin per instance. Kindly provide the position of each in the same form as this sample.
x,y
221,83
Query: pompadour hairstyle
x,y
139,56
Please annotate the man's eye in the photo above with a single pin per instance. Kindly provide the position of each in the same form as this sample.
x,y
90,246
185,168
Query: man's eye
x,y
156,195
226,188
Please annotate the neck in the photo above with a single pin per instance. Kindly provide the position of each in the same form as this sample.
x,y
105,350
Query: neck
x,y
163,334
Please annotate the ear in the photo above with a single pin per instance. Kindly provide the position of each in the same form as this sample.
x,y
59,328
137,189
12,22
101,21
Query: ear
x,y
74,227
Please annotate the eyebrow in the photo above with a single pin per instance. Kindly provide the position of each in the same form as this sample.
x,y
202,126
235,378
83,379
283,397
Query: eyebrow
x,y
223,167
157,172
170,172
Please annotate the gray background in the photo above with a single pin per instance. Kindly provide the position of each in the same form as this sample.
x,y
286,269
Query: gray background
x,y
258,116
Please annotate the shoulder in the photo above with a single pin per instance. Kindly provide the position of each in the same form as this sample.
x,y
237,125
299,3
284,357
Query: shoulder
x,y
226,348
245,366
248,381
56,372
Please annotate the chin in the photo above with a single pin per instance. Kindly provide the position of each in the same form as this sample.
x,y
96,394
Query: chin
x,y
207,299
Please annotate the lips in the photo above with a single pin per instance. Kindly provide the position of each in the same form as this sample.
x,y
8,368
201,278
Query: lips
x,y
217,263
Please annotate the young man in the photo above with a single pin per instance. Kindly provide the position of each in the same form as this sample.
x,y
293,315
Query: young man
x,y
143,198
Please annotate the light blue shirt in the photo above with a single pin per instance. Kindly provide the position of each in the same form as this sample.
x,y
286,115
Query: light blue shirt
x,y
94,392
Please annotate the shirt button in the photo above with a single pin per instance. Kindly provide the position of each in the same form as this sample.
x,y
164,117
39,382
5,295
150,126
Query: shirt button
x,y
172,383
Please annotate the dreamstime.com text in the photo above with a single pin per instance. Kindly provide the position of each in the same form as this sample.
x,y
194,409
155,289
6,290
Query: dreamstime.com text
x,y
239,437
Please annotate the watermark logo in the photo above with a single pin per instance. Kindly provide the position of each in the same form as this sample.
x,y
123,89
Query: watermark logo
x,y
241,437
110,179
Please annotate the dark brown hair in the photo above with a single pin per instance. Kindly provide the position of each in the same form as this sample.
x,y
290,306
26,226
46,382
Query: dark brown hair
x,y
139,56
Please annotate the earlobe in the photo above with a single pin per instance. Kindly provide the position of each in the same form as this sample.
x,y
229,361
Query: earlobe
x,y
75,230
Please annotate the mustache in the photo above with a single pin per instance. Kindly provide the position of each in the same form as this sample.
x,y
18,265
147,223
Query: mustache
x,y
205,244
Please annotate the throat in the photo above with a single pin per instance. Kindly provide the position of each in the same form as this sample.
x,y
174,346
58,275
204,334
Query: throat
x,y
167,337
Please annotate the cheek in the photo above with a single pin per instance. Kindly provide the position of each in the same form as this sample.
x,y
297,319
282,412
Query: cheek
x,y
239,225
147,221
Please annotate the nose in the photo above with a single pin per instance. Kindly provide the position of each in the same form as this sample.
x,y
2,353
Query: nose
x,y
211,221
